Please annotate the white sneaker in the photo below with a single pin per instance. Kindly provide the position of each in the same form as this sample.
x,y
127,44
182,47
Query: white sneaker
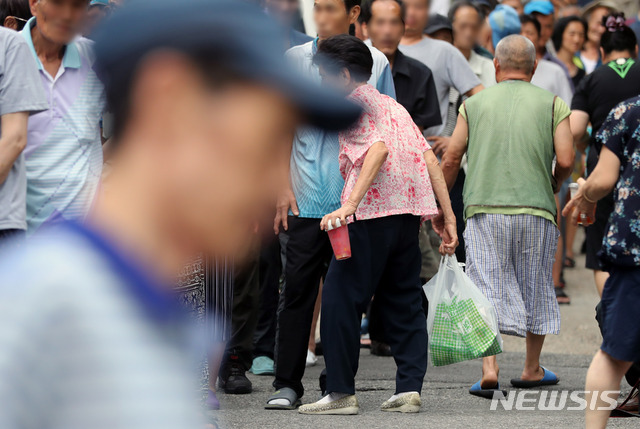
x,y
312,360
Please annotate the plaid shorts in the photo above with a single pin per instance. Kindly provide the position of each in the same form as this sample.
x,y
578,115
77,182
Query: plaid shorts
x,y
510,258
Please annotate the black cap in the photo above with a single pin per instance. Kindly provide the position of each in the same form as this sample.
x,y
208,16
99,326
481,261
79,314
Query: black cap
x,y
236,33
437,23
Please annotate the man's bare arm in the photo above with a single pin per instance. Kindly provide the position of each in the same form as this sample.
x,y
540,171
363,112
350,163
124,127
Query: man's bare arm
x,y
13,141
565,152
453,156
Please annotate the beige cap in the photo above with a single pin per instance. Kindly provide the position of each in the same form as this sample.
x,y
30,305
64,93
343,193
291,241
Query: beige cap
x,y
609,4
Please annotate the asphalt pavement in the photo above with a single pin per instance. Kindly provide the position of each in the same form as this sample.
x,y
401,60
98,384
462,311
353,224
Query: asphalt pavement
x,y
446,402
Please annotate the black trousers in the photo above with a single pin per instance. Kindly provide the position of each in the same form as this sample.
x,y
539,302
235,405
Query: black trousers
x,y
386,262
244,313
264,338
308,252
457,204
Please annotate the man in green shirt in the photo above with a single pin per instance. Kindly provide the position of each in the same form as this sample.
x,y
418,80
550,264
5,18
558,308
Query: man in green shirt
x,y
511,133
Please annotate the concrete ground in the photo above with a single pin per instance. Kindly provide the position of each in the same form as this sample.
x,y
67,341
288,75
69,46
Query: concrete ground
x,y
445,398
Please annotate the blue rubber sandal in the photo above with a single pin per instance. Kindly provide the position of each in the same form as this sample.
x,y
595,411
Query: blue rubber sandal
x,y
477,390
549,379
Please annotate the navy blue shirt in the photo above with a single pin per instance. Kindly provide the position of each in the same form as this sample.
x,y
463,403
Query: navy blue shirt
x,y
620,133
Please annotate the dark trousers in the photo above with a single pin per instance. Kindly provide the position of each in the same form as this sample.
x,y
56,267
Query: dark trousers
x,y
307,253
386,262
264,339
457,204
244,313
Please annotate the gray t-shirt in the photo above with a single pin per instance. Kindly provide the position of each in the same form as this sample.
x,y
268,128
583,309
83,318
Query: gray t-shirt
x,y
450,70
20,91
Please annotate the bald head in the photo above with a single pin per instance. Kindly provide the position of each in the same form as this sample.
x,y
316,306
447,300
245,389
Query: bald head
x,y
516,53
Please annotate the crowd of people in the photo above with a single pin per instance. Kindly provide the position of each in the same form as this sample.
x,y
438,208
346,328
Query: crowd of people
x,y
137,134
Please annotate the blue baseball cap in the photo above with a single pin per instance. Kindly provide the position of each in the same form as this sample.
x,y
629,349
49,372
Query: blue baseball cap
x,y
99,3
542,7
234,33
504,21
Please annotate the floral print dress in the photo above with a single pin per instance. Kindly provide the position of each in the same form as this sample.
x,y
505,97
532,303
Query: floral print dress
x,y
621,134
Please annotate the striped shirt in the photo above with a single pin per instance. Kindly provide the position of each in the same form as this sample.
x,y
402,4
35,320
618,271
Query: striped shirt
x,y
88,340
315,173
64,150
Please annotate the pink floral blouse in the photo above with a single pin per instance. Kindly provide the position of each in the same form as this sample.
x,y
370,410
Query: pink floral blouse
x,y
402,185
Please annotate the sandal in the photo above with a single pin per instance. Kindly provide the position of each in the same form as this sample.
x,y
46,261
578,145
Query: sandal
x,y
561,296
569,262
286,393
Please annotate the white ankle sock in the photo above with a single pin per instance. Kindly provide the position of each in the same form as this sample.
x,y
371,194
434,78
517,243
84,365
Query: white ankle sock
x,y
284,402
399,395
332,397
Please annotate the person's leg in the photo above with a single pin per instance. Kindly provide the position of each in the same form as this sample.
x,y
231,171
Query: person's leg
x,y
489,243
604,374
307,250
347,290
536,245
600,277
264,339
312,360
399,296
532,370
490,372
244,317
430,261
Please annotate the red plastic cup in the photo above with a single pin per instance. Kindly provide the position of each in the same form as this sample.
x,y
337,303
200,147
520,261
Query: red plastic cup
x,y
339,237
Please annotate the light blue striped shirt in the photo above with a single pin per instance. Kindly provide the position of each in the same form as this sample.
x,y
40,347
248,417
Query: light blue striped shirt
x,y
315,172
64,150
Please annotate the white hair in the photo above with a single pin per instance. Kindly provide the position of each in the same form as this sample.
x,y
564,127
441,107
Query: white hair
x,y
516,52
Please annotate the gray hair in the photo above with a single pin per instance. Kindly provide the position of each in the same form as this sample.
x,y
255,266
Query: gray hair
x,y
516,52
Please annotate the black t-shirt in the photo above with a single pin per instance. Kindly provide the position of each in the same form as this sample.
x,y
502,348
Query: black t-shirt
x,y
416,90
602,90
578,77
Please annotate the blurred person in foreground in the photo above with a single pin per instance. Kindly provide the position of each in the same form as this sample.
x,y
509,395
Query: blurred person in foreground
x,y
64,149
14,14
511,232
92,338
617,171
20,95
286,12
392,179
311,191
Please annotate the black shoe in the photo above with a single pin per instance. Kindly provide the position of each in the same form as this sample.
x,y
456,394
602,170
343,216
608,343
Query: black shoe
x,y
233,379
380,349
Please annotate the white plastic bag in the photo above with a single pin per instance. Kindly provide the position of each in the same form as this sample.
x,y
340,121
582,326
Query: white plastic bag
x,y
461,323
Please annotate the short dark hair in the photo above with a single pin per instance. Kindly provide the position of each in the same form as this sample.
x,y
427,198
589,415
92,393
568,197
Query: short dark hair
x,y
344,51
17,8
618,37
529,19
350,4
561,26
464,3
366,13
